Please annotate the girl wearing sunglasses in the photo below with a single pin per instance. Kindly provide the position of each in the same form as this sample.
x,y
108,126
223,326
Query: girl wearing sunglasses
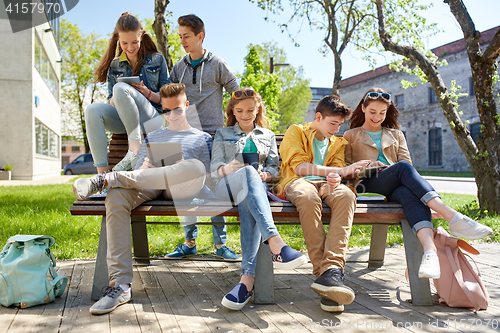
x,y
132,108
375,136
245,186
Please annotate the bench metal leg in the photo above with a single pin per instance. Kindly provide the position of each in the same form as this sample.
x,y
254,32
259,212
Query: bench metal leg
x,y
264,276
377,246
101,277
140,239
420,290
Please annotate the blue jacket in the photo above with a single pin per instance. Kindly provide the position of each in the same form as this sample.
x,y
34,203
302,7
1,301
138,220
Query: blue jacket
x,y
231,140
154,73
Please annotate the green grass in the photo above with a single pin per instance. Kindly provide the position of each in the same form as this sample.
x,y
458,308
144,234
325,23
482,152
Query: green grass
x,y
44,209
446,174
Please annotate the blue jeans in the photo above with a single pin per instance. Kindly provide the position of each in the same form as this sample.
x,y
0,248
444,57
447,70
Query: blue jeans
x,y
401,183
132,114
218,230
256,220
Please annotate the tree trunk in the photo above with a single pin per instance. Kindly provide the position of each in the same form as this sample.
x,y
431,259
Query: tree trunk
x,y
482,158
338,73
160,29
486,164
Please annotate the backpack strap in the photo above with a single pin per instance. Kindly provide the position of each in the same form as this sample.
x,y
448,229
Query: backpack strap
x,y
59,282
459,277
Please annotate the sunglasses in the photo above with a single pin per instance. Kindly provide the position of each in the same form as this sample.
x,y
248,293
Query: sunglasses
x,y
240,93
177,111
375,95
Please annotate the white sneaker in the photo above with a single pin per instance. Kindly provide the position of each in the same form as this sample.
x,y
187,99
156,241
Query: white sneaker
x,y
468,228
111,299
127,163
85,187
429,267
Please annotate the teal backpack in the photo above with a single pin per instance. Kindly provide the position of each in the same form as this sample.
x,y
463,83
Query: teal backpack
x,y
26,262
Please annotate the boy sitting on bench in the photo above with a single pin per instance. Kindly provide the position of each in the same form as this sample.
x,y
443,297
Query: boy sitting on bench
x,y
128,189
311,169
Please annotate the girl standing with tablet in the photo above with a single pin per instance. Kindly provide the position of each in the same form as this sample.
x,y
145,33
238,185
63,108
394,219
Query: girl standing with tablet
x,y
132,107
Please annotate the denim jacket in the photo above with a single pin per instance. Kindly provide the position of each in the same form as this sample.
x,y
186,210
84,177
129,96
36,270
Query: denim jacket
x,y
154,73
231,140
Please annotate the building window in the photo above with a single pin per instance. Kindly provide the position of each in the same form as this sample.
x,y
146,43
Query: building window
x,y
400,101
472,92
435,147
75,149
53,14
319,93
63,149
43,66
432,96
475,131
47,141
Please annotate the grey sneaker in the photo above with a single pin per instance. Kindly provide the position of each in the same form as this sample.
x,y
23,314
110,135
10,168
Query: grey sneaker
x,y
112,298
85,187
469,229
127,163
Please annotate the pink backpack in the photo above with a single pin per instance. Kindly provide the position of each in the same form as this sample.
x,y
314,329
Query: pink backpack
x,y
459,286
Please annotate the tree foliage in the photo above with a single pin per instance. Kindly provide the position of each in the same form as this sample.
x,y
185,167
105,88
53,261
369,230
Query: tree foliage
x,y
266,84
341,20
483,157
80,55
295,96
353,22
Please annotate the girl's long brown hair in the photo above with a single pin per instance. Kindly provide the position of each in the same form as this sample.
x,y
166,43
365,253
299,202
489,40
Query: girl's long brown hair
x,y
126,23
392,115
260,119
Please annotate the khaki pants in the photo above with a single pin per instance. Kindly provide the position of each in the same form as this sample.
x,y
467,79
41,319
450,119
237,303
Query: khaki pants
x,y
129,189
325,251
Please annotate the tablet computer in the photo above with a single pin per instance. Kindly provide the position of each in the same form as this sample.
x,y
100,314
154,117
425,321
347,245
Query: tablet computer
x,y
164,153
129,79
370,172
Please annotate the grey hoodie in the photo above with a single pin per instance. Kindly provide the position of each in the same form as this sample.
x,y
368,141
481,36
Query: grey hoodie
x,y
204,84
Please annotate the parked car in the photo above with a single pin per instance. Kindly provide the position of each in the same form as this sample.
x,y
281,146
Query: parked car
x,y
80,165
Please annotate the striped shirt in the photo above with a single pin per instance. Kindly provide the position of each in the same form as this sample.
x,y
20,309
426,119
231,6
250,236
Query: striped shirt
x,y
195,144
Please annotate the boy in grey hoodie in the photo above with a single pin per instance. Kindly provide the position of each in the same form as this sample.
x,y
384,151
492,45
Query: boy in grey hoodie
x,y
204,75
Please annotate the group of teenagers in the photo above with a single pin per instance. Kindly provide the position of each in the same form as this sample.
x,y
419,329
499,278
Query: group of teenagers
x,y
316,165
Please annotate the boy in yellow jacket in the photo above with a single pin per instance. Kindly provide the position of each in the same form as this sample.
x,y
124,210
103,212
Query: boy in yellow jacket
x,y
311,170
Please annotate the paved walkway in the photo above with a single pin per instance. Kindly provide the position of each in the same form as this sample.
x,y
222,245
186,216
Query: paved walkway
x,y
45,181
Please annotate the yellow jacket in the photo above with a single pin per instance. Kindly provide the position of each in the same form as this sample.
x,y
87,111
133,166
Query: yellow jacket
x,y
361,147
297,147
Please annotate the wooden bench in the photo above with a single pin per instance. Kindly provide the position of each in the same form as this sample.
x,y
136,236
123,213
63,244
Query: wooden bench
x,y
378,215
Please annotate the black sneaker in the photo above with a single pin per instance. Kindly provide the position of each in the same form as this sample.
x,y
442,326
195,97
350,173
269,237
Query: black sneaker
x,y
331,306
331,285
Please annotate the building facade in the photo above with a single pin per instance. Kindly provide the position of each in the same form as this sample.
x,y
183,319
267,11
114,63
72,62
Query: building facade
x,y
431,142
30,73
